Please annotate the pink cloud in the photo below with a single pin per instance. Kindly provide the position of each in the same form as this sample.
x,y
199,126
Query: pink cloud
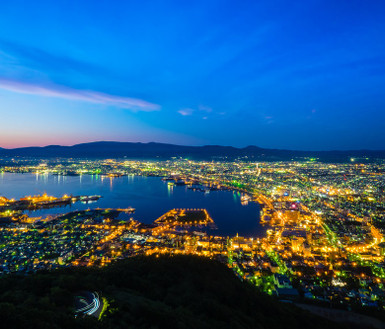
x,y
186,111
91,96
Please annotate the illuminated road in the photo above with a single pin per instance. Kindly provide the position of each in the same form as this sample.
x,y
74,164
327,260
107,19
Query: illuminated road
x,y
94,306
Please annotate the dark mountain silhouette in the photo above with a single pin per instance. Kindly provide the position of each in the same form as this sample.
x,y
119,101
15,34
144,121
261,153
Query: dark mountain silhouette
x,y
153,150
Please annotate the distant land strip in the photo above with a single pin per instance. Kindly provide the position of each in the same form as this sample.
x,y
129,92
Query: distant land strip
x,y
106,149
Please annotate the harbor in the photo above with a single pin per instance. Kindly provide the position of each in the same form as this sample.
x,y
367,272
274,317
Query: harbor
x,y
150,196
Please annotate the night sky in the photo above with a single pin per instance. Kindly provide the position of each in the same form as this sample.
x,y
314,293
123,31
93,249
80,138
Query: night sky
x,y
307,75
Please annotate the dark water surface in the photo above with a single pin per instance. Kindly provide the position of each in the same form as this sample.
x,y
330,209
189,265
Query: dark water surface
x,y
149,195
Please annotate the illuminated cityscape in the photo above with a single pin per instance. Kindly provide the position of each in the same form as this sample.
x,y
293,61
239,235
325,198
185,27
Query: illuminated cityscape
x,y
324,225
192,164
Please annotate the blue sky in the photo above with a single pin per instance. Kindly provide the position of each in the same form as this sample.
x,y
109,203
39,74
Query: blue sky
x,y
277,74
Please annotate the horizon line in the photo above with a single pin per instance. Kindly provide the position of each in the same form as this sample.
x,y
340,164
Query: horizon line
x,y
219,145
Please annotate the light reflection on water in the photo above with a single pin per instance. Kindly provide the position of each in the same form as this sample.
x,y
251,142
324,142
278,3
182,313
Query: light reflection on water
x,y
149,195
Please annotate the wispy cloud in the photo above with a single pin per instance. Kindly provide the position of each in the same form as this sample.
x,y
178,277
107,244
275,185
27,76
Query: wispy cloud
x,y
186,111
31,61
26,70
201,108
205,108
90,96
268,119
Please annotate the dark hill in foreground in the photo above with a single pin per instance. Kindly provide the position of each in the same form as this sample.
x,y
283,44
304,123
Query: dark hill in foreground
x,y
148,292
160,150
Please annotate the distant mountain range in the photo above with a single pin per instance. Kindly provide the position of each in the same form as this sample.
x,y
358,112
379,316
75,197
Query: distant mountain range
x,y
160,150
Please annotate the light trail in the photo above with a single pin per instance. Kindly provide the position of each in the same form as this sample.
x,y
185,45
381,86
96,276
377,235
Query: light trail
x,y
96,305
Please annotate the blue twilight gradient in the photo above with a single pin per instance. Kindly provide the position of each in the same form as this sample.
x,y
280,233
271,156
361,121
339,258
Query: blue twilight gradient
x,y
282,74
